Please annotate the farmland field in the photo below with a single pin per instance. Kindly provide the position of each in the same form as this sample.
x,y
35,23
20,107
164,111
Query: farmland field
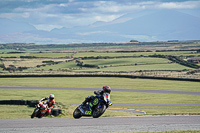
x,y
28,62
155,67
64,61
154,59
125,61
149,63
117,54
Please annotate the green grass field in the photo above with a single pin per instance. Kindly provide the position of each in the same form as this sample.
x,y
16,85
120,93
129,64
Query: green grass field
x,y
115,65
117,54
29,62
98,82
122,64
40,55
125,61
72,96
155,67
96,54
66,66
66,97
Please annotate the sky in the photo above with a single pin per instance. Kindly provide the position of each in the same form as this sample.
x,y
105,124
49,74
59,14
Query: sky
x,y
49,14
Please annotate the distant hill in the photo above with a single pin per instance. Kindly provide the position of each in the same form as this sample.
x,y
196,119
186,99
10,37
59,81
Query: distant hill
x,y
142,26
162,25
9,26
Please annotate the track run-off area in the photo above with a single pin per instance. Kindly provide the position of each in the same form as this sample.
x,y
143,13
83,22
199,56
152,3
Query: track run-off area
x,y
106,124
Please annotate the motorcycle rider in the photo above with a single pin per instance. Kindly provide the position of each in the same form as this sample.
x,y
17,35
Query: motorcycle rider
x,y
50,101
105,89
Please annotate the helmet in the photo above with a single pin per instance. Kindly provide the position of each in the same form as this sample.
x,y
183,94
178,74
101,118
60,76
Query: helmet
x,y
106,89
51,96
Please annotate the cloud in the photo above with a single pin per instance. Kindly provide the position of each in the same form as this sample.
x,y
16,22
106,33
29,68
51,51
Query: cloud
x,y
49,14
94,32
179,5
141,37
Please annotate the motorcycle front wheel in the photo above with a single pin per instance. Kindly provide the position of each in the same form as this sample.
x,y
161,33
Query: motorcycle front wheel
x,y
98,111
34,114
77,113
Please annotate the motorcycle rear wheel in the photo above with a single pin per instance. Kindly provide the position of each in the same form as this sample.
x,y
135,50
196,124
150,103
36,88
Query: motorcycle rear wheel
x,y
99,111
77,113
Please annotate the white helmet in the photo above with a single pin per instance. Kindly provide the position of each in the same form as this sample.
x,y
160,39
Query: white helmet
x,y
51,96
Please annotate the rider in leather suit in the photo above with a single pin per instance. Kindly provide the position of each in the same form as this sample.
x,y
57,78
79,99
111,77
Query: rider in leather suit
x,y
105,89
50,101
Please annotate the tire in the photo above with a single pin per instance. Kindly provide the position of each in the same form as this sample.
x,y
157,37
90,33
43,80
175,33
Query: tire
x,y
54,112
34,114
99,111
59,111
77,113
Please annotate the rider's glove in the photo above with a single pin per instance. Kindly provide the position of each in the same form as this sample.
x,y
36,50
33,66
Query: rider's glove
x,y
95,92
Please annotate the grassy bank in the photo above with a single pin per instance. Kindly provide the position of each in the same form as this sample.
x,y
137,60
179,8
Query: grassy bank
x,y
66,97
98,82
74,96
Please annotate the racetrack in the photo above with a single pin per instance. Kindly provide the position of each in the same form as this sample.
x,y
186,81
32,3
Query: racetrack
x,y
102,124
121,90
113,89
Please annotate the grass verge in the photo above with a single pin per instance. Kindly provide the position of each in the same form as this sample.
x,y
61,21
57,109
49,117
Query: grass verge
x,y
66,97
98,82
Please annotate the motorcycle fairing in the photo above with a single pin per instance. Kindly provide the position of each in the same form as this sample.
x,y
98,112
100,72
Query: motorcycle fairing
x,y
87,111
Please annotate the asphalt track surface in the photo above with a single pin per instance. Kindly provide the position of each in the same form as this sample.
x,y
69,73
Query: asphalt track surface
x,y
105,124
113,89
102,124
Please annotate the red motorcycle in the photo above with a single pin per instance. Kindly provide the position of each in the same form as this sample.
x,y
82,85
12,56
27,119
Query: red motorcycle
x,y
40,110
